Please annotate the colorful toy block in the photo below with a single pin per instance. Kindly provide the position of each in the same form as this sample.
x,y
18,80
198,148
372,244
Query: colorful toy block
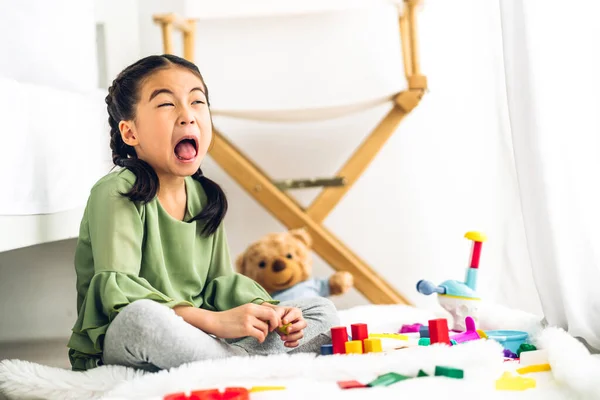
x,y
396,336
424,331
414,328
339,337
421,374
449,372
326,349
354,347
469,334
266,388
359,331
525,347
509,354
510,382
372,346
534,357
284,329
534,368
438,331
351,385
387,379
228,394
234,393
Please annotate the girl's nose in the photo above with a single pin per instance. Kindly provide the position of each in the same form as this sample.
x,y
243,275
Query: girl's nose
x,y
186,118
186,121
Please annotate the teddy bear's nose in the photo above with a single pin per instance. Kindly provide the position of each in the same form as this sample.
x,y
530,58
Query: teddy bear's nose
x,y
278,266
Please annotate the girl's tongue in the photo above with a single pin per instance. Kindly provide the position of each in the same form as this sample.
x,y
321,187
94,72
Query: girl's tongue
x,y
185,150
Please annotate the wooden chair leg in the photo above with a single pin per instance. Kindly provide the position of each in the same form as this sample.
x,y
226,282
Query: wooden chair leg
x,y
279,205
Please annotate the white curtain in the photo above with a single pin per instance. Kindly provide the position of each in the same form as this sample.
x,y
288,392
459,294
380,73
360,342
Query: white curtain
x,y
551,55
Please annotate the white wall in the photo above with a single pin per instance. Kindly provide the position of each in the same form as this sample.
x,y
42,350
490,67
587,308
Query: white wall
x,y
448,170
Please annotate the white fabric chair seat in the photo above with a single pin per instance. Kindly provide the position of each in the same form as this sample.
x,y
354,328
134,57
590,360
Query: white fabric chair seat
x,y
293,61
211,9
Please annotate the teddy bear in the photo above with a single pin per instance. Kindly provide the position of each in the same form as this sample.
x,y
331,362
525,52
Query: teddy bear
x,y
282,264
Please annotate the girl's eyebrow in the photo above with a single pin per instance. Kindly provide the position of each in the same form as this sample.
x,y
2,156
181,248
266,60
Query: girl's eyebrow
x,y
163,90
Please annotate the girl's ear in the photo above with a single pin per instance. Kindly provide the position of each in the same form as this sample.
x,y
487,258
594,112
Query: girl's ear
x,y
128,135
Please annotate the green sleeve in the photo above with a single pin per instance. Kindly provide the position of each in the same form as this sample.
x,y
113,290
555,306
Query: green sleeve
x,y
115,234
226,288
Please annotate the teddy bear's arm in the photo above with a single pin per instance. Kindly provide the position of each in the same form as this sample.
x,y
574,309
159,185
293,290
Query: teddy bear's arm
x,y
322,286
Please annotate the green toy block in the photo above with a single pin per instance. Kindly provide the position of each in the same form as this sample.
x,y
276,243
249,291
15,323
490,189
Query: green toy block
x,y
525,347
449,372
421,373
424,341
284,329
387,379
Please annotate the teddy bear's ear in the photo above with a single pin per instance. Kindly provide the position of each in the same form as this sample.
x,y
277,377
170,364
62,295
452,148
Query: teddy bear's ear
x,y
240,264
302,235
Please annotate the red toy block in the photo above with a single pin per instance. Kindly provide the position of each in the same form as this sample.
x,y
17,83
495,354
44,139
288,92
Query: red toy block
x,y
229,394
215,394
350,385
176,396
360,332
339,337
438,331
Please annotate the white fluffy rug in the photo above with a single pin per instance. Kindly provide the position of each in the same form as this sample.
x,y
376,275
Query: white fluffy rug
x,y
574,374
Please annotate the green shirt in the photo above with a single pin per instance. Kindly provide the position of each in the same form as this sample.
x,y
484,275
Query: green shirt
x,y
128,251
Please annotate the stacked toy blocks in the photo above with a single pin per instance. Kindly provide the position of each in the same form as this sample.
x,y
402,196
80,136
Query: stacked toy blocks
x,y
358,343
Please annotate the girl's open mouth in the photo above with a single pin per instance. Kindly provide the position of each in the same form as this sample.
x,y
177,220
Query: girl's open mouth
x,y
186,149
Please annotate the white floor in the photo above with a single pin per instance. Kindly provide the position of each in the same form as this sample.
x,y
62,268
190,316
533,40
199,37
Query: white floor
x,y
48,352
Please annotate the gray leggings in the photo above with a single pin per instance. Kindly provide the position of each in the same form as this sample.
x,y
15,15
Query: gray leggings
x,y
150,336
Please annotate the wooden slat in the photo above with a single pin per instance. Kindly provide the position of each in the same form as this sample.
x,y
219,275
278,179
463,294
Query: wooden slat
x,y
280,206
356,165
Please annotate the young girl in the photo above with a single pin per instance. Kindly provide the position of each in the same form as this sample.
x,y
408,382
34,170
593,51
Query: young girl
x,y
155,282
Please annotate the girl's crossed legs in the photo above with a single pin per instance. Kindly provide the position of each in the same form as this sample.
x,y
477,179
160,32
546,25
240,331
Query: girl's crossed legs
x,y
150,336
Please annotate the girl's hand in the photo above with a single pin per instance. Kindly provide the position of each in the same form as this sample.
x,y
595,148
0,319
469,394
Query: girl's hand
x,y
247,320
292,316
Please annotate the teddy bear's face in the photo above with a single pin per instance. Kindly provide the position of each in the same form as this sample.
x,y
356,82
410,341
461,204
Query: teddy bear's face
x,y
278,261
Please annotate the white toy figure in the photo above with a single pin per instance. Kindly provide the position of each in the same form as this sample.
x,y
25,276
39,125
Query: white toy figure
x,y
456,297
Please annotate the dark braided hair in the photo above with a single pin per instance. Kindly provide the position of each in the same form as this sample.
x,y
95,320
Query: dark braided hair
x,y
121,101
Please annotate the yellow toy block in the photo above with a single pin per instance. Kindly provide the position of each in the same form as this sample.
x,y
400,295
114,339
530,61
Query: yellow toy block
x,y
396,336
266,388
510,382
354,347
373,346
534,368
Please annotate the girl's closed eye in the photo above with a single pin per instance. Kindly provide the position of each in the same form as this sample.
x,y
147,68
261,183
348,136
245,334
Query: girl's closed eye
x,y
198,102
166,104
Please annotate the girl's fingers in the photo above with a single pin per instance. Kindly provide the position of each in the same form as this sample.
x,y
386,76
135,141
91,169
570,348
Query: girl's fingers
x,y
291,315
268,315
293,337
297,326
291,344
259,326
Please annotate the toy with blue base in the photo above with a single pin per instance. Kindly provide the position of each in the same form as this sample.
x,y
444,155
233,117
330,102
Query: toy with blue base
x,y
460,299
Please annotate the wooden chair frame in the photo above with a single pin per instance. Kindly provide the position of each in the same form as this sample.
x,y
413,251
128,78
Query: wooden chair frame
x,y
286,209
